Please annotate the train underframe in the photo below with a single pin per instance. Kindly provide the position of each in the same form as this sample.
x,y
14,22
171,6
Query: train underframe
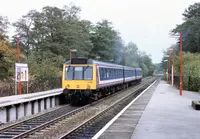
x,y
81,97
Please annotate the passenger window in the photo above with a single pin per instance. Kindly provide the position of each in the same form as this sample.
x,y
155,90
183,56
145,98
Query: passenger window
x,y
105,73
101,73
112,73
108,73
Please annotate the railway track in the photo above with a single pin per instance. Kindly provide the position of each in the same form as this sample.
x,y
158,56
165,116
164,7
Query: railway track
x,y
28,127
90,127
34,124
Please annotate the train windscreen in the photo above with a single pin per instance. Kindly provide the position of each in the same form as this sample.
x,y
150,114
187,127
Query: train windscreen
x,y
78,73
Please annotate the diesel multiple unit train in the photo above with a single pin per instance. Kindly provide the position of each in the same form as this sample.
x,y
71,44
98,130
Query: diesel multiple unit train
x,y
87,79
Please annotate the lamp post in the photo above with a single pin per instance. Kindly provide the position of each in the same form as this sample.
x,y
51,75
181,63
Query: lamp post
x,y
168,67
181,43
18,55
181,64
173,67
70,53
167,70
172,76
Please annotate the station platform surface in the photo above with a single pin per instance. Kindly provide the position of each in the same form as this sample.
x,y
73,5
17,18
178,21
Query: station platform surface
x,y
166,116
10,100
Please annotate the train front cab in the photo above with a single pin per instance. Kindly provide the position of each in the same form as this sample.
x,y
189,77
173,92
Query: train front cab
x,y
78,80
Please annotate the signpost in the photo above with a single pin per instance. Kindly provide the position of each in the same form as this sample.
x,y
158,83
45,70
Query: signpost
x,y
21,74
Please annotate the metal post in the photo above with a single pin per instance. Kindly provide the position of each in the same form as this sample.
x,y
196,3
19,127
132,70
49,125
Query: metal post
x,y
18,55
173,68
172,75
70,54
15,87
27,87
180,64
169,69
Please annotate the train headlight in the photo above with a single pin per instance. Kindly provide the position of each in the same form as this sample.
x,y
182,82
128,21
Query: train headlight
x,y
88,86
67,86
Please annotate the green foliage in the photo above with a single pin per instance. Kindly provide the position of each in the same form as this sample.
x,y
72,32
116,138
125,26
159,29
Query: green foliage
x,y
7,54
3,27
190,28
145,70
190,70
45,64
158,68
191,64
133,57
56,30
47,36
104,41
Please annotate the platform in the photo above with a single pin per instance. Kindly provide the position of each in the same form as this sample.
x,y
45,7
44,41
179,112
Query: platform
x,y
11,100
169,116
166,116
16,107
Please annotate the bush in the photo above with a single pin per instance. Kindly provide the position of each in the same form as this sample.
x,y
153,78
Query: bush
x,y
7,88
45,65
189,83
191,71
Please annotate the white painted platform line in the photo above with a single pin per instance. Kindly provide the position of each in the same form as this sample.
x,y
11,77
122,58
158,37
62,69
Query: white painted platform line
x,y
120,113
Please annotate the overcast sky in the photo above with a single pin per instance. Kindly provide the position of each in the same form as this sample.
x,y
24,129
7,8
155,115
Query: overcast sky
x,y
145,22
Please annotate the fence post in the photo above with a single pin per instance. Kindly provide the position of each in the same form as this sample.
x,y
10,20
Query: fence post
x,y
189,83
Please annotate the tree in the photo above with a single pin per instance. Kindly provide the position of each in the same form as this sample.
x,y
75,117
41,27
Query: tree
x,y
118,49
7,54
23,28
133,57
55,30
158,68
52,32
3,27
132,54
190,28
104,41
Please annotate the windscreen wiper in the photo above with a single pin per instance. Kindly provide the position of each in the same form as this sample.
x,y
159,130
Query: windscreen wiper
x,y
85,68
68,68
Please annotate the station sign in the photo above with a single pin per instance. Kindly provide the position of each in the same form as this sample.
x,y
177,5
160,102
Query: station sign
x,y
21,72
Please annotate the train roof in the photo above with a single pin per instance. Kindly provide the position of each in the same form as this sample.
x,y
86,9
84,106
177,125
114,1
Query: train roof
x,y
91,61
